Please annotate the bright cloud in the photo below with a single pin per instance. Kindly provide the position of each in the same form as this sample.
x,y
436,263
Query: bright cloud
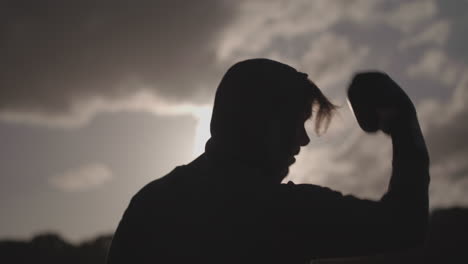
x,y
81,112
435,33
262,23
331,58
80,179
410,14
434,64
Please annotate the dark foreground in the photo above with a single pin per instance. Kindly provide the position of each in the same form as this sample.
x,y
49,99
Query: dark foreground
x,y
447,242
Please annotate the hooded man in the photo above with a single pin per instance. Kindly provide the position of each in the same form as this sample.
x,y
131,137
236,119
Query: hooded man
x,y
230,206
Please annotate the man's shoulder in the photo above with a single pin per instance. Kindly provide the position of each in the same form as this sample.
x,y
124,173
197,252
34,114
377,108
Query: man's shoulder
x,y
292,186
309,190
158,187
181,179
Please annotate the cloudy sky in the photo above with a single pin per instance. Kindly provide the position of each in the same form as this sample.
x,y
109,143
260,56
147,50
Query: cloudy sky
x,y
97,98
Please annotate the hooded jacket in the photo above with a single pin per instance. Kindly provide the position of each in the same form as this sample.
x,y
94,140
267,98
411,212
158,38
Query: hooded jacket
x,y
220,209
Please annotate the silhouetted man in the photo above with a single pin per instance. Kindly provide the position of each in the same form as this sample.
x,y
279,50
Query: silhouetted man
x,y
229,205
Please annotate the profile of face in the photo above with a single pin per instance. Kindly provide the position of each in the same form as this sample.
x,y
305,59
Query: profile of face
x,y
259,115
284,139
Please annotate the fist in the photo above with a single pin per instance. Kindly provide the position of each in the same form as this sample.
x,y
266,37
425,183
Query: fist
x,y
378,103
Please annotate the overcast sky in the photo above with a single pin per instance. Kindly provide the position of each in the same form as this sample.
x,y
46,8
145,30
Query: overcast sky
x,y
97,98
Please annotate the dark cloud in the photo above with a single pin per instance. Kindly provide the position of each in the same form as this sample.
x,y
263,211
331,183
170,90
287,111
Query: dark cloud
x,y
457,13
446,133
60,54
55,53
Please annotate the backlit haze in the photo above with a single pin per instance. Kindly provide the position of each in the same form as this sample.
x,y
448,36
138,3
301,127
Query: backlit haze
x,y
97,98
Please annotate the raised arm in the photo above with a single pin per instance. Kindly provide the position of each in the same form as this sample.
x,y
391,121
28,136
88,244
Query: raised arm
x,y
407,195
343,226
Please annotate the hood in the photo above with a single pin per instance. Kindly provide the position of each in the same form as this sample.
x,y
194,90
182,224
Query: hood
x,y
250,94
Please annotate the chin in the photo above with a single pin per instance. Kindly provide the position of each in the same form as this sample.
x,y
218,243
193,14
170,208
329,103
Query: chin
x,y
281,170
283,173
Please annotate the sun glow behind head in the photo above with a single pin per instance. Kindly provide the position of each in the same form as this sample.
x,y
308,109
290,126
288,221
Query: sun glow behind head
x,y
202,131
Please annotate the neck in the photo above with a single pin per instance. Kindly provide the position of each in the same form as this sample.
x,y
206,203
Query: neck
x,y
241,162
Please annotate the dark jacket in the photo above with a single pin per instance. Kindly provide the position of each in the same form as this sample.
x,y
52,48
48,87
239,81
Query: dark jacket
x,y
212,212
221,208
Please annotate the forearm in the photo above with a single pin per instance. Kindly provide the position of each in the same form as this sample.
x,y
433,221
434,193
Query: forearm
x,y
355,227
410,174
407,197
399,219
